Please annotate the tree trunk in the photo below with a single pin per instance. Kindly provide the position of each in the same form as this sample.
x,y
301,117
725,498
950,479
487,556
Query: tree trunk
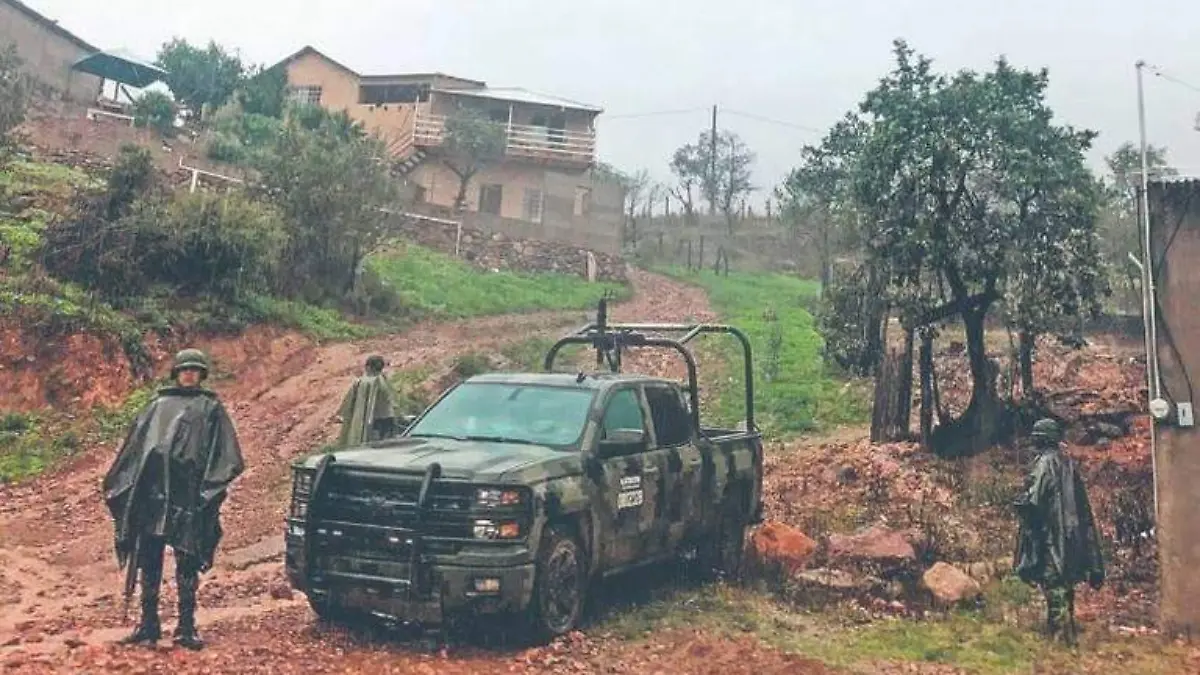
x,y
979,426
903,416
875,323
826,262
927,389
1026,341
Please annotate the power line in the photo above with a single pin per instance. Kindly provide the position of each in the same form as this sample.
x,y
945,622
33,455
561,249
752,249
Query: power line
x,y
770,120
1171,78
655,113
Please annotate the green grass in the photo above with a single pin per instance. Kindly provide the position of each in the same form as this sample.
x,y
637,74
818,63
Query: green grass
x,y
56,180
31,443
794,390
999,640
440,286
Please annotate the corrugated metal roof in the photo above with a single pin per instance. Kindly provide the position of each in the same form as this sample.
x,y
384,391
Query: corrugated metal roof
x,y
519,95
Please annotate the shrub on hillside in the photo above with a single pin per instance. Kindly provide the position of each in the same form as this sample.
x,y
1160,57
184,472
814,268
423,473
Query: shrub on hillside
x,y
132,237
330,189
155,110
15,89
202,244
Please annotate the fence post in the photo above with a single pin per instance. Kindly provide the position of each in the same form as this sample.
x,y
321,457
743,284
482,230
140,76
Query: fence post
x,y
457,237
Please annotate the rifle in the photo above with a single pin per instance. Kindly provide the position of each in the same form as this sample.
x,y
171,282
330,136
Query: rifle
x,y
131,570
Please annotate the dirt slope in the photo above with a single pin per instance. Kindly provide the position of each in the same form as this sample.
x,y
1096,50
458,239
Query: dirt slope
x,y
59,586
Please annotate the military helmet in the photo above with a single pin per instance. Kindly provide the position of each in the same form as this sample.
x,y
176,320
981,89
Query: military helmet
x,y
1047,430
190,358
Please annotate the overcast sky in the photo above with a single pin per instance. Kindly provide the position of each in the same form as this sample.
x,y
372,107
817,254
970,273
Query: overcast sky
x,y
801,63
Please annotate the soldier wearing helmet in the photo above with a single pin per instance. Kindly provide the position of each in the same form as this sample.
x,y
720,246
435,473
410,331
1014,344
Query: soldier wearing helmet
x,y
1058,544
166,487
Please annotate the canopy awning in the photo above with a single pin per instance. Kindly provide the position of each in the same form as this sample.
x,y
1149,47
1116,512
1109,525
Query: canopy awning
x,y
120,67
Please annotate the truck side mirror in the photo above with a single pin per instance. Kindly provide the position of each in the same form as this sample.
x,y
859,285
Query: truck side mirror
x,y
621,442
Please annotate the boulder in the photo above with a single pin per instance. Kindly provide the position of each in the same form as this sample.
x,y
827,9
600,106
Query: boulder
x,y
950,585
876,544
834,580
777,544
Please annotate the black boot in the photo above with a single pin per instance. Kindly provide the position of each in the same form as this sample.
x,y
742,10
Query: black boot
x,y
149,630
188,581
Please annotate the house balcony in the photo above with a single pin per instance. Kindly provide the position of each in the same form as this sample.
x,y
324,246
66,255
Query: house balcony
x,y
523,142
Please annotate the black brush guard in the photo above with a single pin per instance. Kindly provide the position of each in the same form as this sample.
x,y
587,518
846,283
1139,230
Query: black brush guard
x,y
418,583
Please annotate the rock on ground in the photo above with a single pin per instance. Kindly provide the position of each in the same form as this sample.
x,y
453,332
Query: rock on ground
x,y
950,585
876,544
778,544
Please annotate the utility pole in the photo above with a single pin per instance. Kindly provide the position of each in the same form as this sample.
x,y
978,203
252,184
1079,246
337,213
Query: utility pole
x,y
712,165
1149,318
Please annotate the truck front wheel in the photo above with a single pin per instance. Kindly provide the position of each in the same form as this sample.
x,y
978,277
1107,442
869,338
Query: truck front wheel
x,y
560,586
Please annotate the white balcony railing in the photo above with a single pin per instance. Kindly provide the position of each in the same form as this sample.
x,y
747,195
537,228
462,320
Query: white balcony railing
x,y
523,141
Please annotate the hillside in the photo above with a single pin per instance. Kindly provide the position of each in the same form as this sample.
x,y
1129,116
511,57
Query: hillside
x,y
66,349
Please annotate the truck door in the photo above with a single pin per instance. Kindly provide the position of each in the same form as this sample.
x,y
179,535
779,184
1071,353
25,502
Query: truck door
x,y
682,462
631,480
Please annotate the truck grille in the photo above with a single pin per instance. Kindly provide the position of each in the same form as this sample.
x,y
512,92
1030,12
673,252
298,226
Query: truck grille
x,y
352,497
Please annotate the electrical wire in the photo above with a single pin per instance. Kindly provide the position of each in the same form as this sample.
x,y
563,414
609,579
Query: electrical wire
x,y
1171,78
654,113
771,120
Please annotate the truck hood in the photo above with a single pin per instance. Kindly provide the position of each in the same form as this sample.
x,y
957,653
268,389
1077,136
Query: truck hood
x,y
460,460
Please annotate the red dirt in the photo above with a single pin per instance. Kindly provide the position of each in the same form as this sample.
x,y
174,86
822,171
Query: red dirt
x,y
59,586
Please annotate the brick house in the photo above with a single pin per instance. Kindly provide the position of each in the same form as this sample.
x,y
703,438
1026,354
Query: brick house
x,y
543,188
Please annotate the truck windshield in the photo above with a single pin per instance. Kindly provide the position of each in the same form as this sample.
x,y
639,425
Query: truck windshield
x,y
515,413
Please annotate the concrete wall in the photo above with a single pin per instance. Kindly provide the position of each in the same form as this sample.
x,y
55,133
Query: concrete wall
x,y
562,220
1175,240
48,54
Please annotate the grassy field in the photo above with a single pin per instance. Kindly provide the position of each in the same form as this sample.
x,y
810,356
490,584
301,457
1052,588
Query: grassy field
x,y
1000,638
440,286
794,390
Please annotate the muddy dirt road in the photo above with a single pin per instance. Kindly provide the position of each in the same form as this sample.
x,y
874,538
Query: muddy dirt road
x,y
59,585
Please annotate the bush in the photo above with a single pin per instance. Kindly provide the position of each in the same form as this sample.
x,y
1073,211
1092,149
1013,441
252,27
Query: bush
x,y
155,110
203,244
225,148
15,90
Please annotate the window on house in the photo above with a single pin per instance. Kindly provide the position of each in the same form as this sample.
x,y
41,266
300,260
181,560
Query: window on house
x,y
491,196
378,94
310,95
534,200
583,201
498,115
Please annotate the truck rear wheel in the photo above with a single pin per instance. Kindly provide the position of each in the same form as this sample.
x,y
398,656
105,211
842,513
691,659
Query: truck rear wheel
x,y
560,587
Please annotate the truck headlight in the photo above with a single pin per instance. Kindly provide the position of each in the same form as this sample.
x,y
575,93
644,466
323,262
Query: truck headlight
x,y
488,498
496,529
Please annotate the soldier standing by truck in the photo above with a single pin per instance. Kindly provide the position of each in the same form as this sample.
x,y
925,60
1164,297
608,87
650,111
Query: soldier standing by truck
x,y
166,487
1058,543
368,411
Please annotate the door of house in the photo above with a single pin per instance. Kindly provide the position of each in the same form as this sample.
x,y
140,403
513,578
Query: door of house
x,y
491,196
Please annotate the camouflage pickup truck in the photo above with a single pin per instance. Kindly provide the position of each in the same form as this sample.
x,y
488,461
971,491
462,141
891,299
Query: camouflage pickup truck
x,y
513,492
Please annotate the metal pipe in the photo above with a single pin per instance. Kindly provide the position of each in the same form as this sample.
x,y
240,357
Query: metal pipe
x,y
1148,313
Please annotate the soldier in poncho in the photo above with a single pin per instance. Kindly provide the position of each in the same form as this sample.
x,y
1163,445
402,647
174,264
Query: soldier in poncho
x,y
1058,543
166,487
369,409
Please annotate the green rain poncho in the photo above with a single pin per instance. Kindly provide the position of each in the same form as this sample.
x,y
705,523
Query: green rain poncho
x,y
369,403
1058,543
172,473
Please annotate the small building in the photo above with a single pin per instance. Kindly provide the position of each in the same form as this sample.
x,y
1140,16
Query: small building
x,y
543,188
49,51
